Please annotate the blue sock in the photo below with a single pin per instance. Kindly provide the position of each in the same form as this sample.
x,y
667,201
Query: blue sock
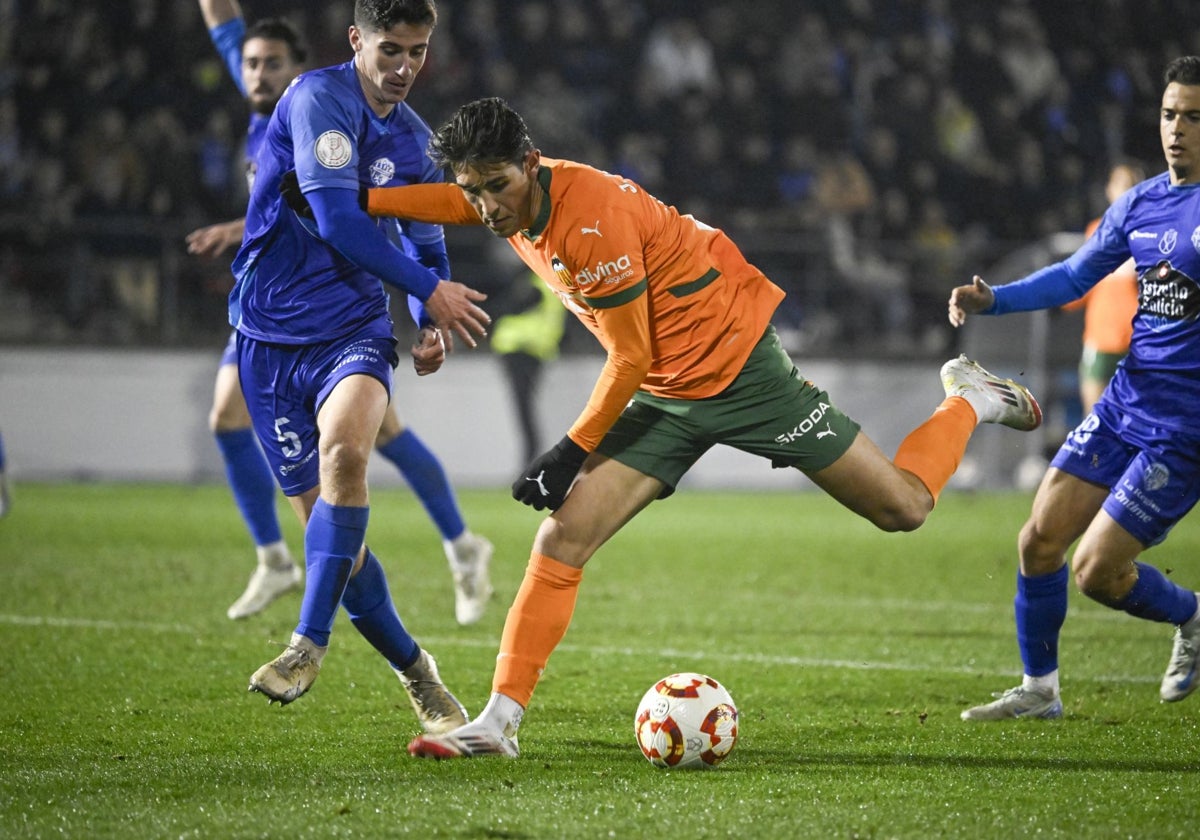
x,y
369,603
425,475
331,543
1,453
1041,608
1155,598
252,483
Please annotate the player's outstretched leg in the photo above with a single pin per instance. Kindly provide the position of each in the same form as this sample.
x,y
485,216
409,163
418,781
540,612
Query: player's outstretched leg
x,y
493,733
470,558
289,675
536,622
995,399
1181,678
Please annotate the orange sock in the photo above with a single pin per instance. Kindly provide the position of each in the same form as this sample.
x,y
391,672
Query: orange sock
x,y
536,623
933,450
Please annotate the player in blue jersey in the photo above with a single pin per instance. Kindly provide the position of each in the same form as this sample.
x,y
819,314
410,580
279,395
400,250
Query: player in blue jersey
x,y
315,340
263,60
1131,469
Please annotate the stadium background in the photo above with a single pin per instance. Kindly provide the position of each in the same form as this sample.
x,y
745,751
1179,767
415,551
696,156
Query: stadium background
x,y
866,154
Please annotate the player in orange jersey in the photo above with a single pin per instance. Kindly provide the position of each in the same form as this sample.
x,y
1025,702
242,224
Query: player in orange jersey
x,y
692,361
1108,307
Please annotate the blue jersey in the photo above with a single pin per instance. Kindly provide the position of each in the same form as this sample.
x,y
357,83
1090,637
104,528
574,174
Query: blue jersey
x,y
1159,226
292,286
228,38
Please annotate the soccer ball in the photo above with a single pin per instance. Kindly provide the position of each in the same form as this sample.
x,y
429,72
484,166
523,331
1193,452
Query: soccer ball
x,y
686,720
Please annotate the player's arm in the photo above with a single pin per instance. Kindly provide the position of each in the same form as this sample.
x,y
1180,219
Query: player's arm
x,y
1105,250
440,204
437,204
213,240
342,223
620,306
1046,288
227,29
430,203
625,332
1052,286
216,12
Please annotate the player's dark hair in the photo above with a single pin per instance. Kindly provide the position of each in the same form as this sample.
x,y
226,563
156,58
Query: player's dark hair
x,y
379,15
485,131
1185,70
278,29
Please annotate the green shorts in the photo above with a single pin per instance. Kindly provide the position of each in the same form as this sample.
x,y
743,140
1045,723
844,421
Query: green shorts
x,y
768,410
1096,365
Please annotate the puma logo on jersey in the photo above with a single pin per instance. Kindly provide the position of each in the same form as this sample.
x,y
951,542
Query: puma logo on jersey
x,y
584,231
537,479
828,431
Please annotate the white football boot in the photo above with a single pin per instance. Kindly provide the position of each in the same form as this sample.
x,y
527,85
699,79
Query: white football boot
x,y
995,399
437,709
292,673
470,557
493,733
1019,702
1181,677
275,575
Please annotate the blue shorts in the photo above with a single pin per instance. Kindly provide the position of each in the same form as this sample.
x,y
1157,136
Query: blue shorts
x,y
285,386
1153,474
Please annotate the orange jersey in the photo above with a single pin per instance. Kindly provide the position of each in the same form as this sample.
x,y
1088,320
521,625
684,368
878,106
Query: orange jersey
x,y
1109,307
674,303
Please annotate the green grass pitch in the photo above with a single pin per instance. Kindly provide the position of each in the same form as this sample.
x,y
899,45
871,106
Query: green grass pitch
x,y
850,653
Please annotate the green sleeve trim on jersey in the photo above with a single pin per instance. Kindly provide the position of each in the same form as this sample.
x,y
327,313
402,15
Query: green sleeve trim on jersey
x,y
696,285
619,299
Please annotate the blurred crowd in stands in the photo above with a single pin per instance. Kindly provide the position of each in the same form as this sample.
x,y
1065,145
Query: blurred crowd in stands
x,y
866,153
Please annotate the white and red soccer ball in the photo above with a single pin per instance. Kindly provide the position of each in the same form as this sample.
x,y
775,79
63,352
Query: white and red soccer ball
x,y
686,720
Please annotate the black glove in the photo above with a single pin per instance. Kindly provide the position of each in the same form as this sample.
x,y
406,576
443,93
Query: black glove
x,y
289,188
545,482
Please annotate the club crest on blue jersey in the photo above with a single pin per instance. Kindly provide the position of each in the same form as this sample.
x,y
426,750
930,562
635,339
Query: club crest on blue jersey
x,y
382,171
1169,240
